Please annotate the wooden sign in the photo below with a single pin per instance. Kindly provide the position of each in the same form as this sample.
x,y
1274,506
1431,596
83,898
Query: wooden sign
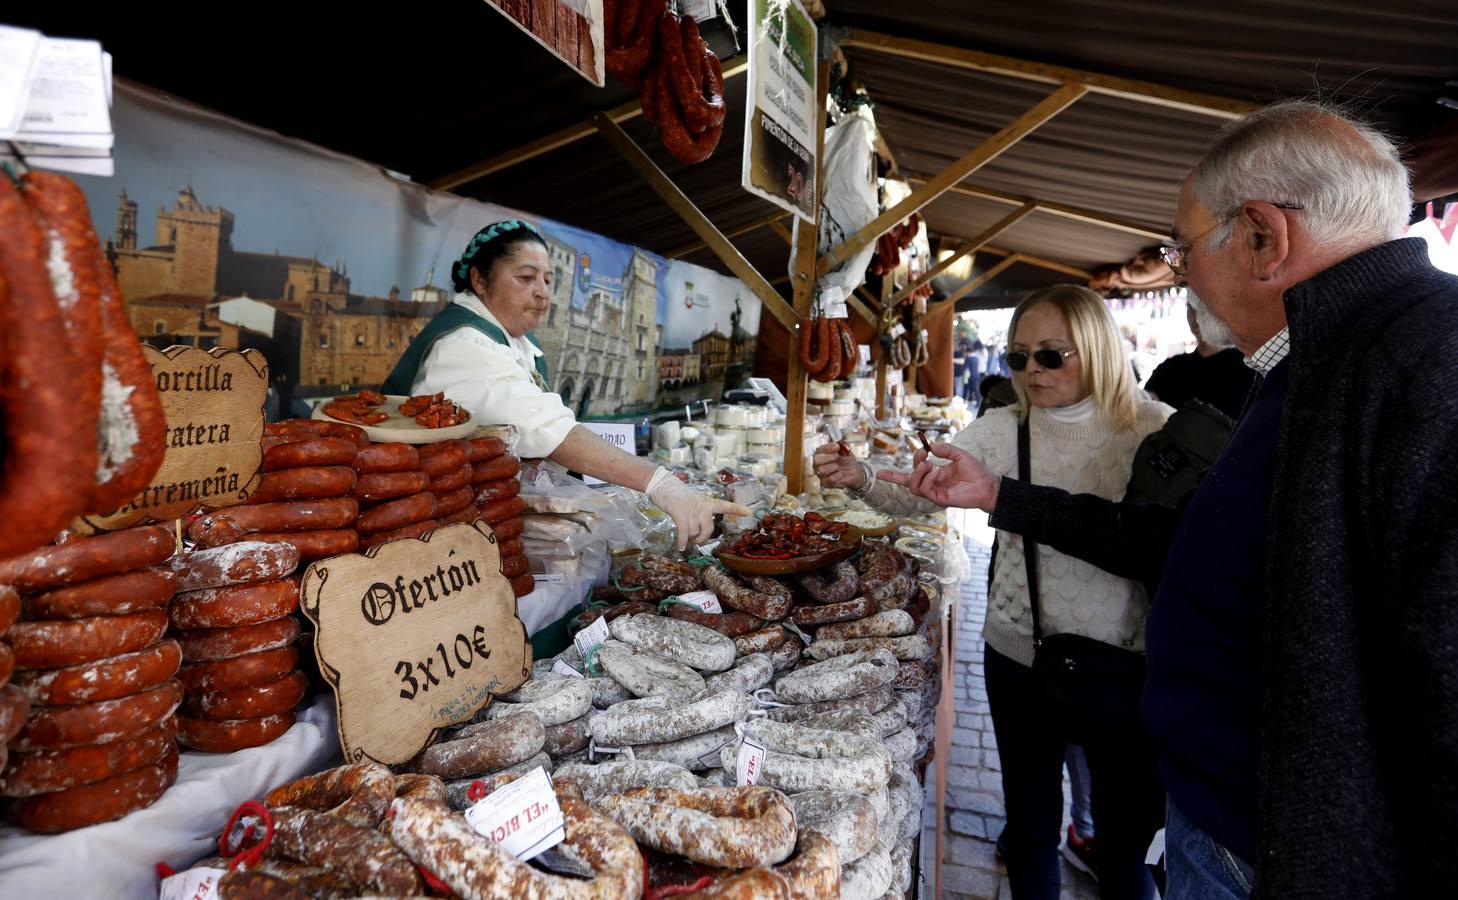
x,y
213,400
414,636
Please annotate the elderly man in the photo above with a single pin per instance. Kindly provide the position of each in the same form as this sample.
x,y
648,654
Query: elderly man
x,y
1303,646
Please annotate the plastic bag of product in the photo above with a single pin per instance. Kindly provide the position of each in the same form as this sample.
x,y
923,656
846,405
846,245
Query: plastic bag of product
x,y
848,199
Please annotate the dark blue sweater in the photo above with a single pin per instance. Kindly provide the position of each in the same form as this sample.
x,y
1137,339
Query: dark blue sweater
x,y
1202,698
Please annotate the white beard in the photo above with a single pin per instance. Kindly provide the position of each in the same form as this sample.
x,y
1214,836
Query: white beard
x,y
1213,329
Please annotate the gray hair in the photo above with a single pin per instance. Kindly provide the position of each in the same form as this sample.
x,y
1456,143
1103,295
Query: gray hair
x,y
1347,177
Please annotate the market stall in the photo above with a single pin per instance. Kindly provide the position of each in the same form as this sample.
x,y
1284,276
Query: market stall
x,y
365,647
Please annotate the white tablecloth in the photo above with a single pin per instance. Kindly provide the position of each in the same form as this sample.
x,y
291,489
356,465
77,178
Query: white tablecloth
x,y
118,859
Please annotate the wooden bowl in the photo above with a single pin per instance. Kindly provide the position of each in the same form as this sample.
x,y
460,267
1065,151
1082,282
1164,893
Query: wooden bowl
x,y
849,543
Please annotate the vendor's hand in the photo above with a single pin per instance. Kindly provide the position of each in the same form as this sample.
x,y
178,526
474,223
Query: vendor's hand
x,y
692,513
836,469
963,481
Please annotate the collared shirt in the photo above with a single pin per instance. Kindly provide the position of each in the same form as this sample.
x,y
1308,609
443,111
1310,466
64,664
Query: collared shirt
x,y
1270,353
496,382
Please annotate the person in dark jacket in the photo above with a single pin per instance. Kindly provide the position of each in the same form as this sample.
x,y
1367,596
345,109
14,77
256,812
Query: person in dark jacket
x,y
1303,645
1214,373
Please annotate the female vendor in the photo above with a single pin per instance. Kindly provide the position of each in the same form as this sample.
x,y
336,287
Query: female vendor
x,y
479,350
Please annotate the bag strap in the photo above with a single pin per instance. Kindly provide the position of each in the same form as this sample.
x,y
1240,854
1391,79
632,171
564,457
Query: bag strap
x,y
1030,547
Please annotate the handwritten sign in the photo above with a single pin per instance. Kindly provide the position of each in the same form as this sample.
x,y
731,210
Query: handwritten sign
x,y
414,636
523,817
213,400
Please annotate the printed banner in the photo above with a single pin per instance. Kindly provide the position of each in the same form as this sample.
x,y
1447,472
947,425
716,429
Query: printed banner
x,y
780,126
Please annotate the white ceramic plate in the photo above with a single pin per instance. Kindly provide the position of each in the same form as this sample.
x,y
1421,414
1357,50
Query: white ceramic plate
x,y
403,428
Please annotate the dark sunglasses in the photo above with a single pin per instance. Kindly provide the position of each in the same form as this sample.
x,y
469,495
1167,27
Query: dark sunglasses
x,y
1017,360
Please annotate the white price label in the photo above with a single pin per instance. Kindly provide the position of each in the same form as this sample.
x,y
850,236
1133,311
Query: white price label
x,y
701,10
704,600
194,884
709,548
591,636
522,817
751,763
805,639
897,330
549,578
832,303
561,668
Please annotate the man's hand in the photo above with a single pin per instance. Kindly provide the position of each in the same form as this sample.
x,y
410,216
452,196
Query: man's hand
x,y
836,469
963,481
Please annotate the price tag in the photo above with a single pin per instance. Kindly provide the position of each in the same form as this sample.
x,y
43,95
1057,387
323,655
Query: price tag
x,y
832,302
705,600
709,548
561,668
897,330
194,884
751,762
806,639
523,817
549,578
701,10
591,636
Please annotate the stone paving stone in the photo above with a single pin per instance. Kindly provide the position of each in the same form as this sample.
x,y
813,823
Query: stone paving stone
x,y
969,824
975,810
966,880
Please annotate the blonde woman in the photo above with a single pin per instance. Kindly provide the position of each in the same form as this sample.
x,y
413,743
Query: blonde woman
x,y
1085,418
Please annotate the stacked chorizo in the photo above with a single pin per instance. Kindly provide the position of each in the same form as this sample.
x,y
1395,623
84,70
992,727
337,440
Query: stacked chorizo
x,y
87,722
235,623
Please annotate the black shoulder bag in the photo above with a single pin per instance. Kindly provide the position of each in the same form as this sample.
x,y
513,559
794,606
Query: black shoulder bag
x,y
1086,678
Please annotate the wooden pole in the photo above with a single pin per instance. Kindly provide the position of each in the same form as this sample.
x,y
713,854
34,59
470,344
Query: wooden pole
x,y
744,229
881,364
549,142
971,246
804,296
1026,70
773,303
982,279
1060,210
975,159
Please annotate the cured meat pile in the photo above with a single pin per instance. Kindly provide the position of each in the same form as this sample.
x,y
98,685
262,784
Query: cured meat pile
x,y
836,811
654,50
84,430
783,536
428,410
89,712
233,615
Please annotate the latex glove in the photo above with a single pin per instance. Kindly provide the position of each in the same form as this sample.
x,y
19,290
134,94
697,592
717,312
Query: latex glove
x,y
836,470
692,513
951,477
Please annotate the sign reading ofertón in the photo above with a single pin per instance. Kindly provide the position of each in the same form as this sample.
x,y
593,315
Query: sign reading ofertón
x,y
414,636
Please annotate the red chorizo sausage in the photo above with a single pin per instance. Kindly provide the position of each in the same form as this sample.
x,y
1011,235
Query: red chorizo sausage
x,y
483,449
444,484
324,451
376,486
396,513
438,459
495,470
87,558
305,484
41,487
227,526
390,457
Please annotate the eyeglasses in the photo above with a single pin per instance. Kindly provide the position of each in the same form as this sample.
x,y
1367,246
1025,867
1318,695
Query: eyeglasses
x,y
1176,253
1017,360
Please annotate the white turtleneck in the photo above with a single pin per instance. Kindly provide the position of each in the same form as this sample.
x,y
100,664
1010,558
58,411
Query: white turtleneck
x,y
1074,414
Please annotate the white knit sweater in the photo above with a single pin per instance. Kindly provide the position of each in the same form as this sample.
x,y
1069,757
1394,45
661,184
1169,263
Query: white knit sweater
x,y
1076,597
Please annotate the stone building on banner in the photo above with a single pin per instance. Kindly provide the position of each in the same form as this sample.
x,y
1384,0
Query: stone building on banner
x,y
602,356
